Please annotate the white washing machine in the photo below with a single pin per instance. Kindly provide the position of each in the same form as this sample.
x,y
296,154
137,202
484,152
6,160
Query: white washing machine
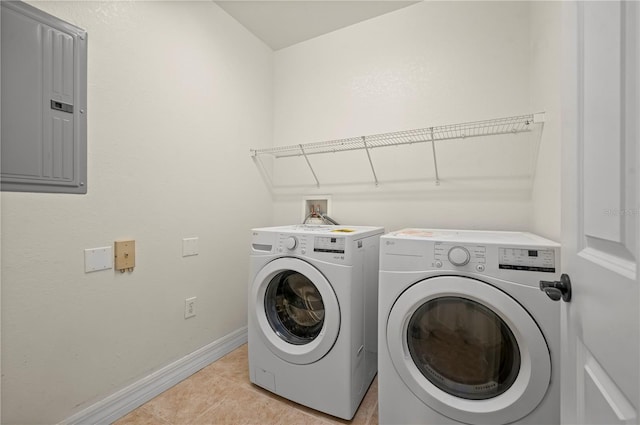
x,y
313,294
465,333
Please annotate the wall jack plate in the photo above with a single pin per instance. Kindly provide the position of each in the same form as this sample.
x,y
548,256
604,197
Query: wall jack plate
x,y
125,255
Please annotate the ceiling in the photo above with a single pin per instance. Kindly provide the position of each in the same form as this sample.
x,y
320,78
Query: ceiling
x,y
282,24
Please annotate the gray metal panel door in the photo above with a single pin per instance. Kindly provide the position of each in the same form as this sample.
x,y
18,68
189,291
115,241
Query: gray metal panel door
x,y
43,102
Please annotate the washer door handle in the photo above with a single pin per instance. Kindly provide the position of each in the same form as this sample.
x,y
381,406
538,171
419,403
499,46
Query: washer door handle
x,y
557,289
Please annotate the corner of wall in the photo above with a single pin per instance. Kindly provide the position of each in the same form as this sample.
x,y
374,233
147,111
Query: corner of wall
x,y
545,89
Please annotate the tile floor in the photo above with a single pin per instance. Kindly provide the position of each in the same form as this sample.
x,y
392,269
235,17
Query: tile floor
x,y
222,394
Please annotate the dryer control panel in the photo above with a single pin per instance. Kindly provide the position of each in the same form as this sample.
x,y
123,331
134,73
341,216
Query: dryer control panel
x,y
474,258
449,254
511,256
535,260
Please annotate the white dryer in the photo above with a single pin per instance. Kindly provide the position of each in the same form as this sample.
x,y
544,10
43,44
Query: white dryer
x,y
465,333
313,314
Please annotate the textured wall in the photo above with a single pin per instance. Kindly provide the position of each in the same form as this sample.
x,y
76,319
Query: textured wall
x,y
178,92
433,63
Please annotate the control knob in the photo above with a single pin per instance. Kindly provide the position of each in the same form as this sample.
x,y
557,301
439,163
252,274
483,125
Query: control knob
x,y
290,242
459,256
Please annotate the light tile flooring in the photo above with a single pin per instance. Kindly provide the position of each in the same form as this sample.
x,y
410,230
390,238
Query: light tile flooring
x,y
222,394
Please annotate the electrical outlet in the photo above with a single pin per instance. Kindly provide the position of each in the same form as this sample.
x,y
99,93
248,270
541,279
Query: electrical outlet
x,y
189,307
189,247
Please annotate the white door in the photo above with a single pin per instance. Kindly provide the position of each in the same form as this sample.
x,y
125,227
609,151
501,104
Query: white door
x,y
600,215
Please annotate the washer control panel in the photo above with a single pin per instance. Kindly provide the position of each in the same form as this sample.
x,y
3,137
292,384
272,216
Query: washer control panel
x,y
536,260
468,256
334,247
331,244
292,244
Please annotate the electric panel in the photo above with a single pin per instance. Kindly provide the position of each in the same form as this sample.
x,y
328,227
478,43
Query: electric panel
x,y
44,102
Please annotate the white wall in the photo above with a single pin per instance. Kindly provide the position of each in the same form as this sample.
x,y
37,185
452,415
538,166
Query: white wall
x,y
433,63
178,93
545,95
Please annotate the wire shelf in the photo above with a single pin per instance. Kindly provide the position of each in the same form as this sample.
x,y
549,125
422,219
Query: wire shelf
x,y
492,127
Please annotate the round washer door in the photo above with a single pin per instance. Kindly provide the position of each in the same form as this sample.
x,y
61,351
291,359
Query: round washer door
x,y
297,311
468,350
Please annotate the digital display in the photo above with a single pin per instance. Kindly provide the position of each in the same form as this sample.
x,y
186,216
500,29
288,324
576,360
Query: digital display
x,y
533,260
329,244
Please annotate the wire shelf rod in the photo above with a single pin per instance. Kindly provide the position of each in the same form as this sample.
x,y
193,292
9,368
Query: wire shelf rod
x,y
493,127
510,125
440,136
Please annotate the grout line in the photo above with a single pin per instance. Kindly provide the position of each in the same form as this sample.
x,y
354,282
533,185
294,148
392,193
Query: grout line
x,y
235,381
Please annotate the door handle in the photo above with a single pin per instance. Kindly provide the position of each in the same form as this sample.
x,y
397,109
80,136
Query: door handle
x,y
557,289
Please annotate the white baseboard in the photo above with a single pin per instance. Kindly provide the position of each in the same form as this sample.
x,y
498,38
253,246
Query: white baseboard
x,y
133,396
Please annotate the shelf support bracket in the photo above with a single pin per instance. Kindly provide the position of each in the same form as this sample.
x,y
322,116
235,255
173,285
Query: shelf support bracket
x,y
373,170
309,164
435,160
263,169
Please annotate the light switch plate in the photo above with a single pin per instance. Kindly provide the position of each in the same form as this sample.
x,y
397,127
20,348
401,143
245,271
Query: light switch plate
x,y
189,247
96,259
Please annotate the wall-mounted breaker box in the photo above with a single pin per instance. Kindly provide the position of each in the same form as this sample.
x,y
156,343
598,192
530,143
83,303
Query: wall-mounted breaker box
x,y
44,102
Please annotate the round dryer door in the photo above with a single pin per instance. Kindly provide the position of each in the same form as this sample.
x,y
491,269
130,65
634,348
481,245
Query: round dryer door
x,y
468,350
297,310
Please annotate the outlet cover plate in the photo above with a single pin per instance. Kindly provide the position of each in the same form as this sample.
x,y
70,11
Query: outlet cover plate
x,y
96,259
189,307
189,247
